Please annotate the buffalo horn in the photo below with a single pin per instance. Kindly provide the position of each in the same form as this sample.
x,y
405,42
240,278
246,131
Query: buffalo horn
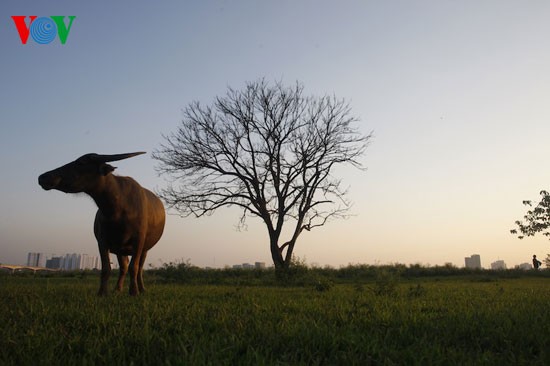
x,y
116,157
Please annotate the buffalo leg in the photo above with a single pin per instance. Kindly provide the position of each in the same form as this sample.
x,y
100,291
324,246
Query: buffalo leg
x,y
134,269
105,271
123,269
140,273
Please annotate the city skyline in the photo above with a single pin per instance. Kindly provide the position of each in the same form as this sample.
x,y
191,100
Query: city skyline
x,y
68,261
474,261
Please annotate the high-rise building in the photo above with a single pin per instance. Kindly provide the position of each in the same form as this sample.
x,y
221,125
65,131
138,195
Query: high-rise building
x,y
36,260
31,259
474,261
498,265
71,262
42,260
89,261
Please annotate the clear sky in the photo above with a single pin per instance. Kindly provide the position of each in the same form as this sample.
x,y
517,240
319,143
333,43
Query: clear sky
x,y
456,92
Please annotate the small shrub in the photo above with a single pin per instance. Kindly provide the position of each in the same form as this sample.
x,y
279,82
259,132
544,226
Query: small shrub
x,y
323,285
385,283
416,291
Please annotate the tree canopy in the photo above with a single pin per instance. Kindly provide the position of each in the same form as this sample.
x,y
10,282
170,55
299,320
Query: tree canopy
x,y
269,150
537,220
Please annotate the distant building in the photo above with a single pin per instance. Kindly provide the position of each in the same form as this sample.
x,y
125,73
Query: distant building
x,y
473,262
74,262
525,266
36,260
31,259
68,262
54,262
498,265
256,265
89,261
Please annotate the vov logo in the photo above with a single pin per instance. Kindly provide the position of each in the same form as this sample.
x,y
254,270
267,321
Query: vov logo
x,y
43,30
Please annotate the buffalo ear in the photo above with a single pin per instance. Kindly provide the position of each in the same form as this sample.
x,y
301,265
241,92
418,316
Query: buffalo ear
x,y
105,169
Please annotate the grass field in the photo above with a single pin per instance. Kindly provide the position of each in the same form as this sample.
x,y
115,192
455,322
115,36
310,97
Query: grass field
x,y
424,321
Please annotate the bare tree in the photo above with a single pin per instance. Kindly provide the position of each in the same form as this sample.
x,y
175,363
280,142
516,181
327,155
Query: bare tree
x,y
268,150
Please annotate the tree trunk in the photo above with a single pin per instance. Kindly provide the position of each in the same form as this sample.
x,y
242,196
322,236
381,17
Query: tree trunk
x,y
289,251
276,255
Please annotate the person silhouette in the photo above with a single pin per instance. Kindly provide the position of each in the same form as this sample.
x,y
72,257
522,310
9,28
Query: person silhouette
x,y
536,262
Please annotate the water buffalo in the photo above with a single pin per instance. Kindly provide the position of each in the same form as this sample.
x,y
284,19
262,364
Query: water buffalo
x,y
129,220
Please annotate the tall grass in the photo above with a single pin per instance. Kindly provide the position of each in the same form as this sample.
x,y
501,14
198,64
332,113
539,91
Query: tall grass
x,y
459,320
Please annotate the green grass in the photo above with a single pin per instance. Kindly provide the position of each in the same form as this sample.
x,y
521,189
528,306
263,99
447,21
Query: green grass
x,y
48,321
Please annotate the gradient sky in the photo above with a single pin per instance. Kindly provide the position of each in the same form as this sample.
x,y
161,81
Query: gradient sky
x,y
456,92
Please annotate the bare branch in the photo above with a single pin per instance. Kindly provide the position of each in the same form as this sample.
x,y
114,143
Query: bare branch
x,y
268,150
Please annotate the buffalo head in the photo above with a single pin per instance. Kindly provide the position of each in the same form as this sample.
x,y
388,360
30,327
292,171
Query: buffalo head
x,y
82,174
